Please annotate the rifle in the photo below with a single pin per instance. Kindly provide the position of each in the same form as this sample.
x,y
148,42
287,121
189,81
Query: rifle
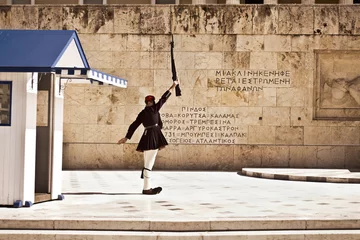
x,y
173,68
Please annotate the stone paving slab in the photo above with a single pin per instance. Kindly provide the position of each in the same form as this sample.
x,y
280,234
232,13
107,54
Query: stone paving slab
x,y
190,201
310,175
234,235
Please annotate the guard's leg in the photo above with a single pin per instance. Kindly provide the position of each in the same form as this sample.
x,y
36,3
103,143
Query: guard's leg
x,y
149,160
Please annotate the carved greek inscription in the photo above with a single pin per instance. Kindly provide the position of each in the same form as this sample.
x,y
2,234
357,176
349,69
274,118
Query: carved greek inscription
x,y
248,80
195,125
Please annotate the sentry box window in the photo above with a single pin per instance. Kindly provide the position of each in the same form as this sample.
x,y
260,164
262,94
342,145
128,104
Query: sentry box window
x,y
5,103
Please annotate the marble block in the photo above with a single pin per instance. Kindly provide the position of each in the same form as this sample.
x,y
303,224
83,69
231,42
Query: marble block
x,y
127,19
317,135
239,20
301,116
247,156
265,20
289,135
247,116
118,96
219,157
291,61
349,20
265,98
154,20
277,43
136,78
117,132
101,20
96,95
161,60
295,19
5,17
303,157
110,115
200,97
109,42
195,43
161,43
73,133
101,59
236,60
184,19
212,19
50,18
352,157
133,43
74,95
185,60
263,60
290,97
229,43
210,60
276,116
162,78
261,135
275,156
97,133
192,157
91,42
234,98
22,17
302,43
331,157
345,135
303,78
82,115
249,43
75,18
193,78
326,20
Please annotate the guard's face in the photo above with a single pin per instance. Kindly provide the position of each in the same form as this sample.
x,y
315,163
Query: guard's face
x,y
149,104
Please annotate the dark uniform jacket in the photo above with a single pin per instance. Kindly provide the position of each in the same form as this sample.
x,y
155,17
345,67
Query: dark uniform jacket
x,y
152,137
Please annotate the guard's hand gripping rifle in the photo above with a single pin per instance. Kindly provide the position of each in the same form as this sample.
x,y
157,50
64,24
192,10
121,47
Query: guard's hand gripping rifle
x,y
173,68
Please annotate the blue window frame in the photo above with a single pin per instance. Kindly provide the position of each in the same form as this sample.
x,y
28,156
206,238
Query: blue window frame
x,y
5,103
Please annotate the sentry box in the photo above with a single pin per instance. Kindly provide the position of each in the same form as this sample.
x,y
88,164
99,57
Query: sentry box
x,y
35,65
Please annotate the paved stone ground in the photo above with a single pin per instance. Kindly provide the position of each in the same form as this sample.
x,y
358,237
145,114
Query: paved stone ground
x,y
200,201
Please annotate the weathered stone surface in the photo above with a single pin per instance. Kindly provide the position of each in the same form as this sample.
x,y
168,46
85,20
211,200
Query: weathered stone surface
x,y
317,135
349,20
275,156
50,18
239,20
276,43
276,116
132,159
303,157
301,116
352,157
154,20
123,60
265,19
266,98
302,43
211,19
345,135
290,97
22,17
295,20
289,135
263,60
326,20
75,18
250,43
208,60
184,19
331,157
247,156
101,20
291,61
73,133
91,42
127,19
5,17
219,157
261,135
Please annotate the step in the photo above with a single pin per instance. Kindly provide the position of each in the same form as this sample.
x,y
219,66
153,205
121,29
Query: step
x,y
135,235
246,224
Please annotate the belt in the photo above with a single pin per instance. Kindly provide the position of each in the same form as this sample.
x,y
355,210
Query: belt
x,y
152,126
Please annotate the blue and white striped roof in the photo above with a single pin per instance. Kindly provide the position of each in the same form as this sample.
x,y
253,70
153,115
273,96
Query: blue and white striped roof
x,y
56,51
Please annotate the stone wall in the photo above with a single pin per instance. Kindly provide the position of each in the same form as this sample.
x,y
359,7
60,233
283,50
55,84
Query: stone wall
x,y
262,85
